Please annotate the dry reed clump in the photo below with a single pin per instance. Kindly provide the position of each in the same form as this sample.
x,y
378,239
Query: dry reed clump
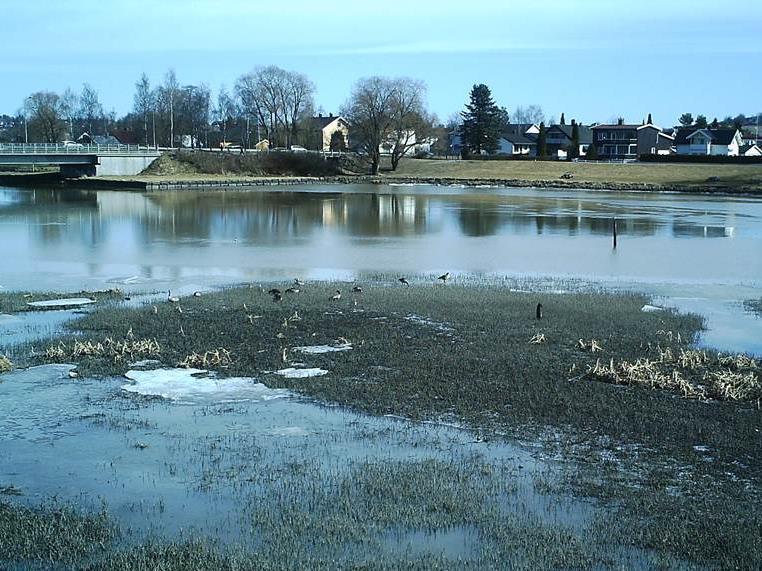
x,y
593,346
691,373
109,348
538,338
5,364
217,358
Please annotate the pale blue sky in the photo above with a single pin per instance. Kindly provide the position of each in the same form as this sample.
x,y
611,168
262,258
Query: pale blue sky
x,y
592,59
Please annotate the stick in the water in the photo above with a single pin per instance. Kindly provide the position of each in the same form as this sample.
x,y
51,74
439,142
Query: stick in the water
x,y
539,311
614,232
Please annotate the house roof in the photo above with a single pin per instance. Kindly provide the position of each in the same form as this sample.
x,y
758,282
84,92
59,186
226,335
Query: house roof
x,y
518,128
717,136
617,126
517,138
322,121
585,133
746,148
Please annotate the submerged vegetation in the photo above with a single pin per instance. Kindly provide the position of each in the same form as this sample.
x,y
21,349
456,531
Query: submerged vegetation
x,y
651,422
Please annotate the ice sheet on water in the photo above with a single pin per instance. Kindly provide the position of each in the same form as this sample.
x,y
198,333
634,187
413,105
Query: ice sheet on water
x,y
183,385
293,373
318,349
65,302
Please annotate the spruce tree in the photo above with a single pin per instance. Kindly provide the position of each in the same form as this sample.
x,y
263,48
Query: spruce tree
x,y
542,147
574,145
482,119
592,152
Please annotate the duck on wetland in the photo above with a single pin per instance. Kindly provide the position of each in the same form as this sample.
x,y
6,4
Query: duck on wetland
x,y
444,277
336,296
172,299
403,281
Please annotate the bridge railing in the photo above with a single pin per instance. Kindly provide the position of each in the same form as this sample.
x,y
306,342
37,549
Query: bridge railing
x,y
71,149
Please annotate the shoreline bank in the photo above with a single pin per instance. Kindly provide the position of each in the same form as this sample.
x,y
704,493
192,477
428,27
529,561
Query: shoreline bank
x,y
224,182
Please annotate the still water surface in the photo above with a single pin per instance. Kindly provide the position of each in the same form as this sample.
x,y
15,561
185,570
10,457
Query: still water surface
x,y
695,252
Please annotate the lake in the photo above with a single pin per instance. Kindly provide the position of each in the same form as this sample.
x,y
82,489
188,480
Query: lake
x,y
695,252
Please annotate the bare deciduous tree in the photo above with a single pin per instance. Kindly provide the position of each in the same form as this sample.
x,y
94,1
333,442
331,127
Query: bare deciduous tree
x,y
143,103
410,122
90,108
277,99
370,113
531,114
45,115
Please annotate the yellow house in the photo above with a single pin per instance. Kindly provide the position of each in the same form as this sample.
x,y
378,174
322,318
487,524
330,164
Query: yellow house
x,y
326,126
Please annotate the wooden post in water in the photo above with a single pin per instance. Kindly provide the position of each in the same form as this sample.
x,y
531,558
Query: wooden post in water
x,y
539,311
614,232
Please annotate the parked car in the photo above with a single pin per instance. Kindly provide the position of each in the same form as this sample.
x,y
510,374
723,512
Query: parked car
x,y
72,145
298,149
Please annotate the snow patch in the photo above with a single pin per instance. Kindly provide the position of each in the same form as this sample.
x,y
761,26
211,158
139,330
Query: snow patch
x,y
425,321
66,302
648,308
292,373
318,349
184,385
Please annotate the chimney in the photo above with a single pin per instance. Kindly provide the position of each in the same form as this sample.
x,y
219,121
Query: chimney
x,y
330,114
620,121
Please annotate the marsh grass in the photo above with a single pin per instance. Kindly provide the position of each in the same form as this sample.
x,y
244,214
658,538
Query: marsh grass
x,y
464,353
52,534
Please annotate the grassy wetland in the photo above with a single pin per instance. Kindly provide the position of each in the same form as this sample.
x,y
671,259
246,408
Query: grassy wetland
x,y
597,437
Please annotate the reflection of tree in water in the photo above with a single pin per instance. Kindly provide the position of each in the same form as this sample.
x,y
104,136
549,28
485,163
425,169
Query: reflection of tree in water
x,y
54,216
272,216
478,219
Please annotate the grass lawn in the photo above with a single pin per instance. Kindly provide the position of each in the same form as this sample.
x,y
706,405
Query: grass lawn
x,y
635,173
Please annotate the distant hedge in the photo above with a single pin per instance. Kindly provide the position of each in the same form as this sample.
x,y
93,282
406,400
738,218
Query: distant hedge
x,y
265,163
703,159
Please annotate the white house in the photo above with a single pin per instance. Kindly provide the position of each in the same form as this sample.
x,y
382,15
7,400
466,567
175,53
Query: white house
x,y
750,151
693,141
516,144
324,128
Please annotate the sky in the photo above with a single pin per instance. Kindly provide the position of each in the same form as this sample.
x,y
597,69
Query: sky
x,y
594,60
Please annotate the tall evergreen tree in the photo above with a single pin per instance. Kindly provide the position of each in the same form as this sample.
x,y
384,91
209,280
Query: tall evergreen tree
x,y
701,122
563,119
480,131
592,152
574,145
542,145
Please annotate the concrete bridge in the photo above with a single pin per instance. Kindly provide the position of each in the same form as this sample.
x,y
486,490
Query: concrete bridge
x,y
80,160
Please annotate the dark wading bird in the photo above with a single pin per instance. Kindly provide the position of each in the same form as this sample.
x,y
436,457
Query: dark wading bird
x,y
274,291
336,296
277,296
403,281
357,289
444,277
539,311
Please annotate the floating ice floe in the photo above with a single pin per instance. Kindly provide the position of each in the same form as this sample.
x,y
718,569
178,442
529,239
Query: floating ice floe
x,y
648,308
185,385
318,349
66,302
292,373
